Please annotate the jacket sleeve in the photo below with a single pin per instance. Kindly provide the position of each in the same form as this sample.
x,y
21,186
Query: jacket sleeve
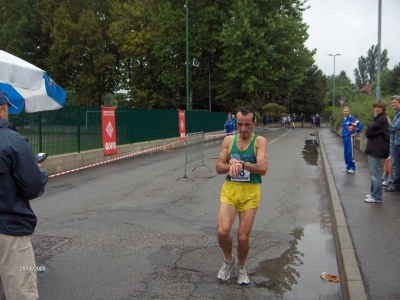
x,y
30,179
359,126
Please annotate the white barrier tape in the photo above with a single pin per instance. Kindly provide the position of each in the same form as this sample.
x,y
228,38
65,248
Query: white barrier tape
x,y
113,159
122,157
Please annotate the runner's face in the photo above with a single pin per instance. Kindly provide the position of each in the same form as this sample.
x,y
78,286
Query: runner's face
x,y
346,112
245,124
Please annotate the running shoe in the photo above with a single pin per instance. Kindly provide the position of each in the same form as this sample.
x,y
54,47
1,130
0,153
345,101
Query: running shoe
x,y
345,170
242,277
386,182
369,199
225,271
351,171
391,189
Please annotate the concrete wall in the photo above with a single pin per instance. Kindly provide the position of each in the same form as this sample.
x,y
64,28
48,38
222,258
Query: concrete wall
x,y
72,161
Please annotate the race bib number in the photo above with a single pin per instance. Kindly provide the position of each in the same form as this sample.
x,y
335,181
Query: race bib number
x,y
244,175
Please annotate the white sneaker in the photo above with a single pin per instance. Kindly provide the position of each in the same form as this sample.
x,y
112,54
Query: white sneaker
x,y
345,170
351,171
369,199
386,183
225,271
242,277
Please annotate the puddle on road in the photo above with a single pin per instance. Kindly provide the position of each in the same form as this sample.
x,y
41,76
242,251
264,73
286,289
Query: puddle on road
x,y
295,274
310,152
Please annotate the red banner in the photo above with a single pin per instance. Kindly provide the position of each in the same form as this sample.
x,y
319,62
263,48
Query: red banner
x,y
182,126
108,129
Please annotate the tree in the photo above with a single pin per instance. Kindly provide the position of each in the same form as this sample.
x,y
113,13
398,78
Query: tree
x,y
308,98
82,56
390,81
367,66
20,31
361,73
344,89
263,51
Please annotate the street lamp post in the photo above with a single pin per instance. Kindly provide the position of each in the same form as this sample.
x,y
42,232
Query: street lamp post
x,y
187,55
334,88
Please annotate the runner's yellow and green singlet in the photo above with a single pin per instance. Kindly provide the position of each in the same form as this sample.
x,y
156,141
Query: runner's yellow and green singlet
x,y
248,155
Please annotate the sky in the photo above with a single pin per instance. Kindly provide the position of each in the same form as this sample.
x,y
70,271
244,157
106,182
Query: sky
x,y
350,27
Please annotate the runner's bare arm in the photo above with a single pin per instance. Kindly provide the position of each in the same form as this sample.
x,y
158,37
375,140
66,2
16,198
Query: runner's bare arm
x,y
261,166
222,167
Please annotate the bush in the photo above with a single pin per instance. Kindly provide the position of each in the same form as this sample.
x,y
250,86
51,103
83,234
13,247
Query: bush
x,y
273,110
361,107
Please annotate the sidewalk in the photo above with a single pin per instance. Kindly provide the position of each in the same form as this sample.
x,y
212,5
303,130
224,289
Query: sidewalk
x,y
367,235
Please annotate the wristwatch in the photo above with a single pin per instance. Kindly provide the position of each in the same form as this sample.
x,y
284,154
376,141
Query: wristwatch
x,y
242,162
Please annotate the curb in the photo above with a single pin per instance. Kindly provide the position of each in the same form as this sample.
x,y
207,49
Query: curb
x,y
350,276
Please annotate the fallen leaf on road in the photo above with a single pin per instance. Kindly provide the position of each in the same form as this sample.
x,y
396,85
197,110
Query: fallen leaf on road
x,y
330,277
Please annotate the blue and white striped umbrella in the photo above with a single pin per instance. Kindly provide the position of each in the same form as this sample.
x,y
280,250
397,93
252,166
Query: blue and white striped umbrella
x,y
28,86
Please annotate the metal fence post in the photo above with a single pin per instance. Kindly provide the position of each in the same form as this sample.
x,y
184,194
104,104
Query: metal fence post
x,y
190,148
78,128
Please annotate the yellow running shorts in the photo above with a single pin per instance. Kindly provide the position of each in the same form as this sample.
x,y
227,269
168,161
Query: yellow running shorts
x,y
243,196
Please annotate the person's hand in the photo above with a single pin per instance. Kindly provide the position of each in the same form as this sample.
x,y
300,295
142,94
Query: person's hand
x,y
235,167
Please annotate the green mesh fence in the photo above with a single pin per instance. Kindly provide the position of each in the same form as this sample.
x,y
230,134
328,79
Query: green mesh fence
x,y
76,129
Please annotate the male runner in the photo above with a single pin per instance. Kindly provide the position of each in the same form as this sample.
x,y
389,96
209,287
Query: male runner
x,y
243,158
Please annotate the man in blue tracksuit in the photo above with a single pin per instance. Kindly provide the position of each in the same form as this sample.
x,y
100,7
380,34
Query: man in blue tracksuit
x,y
229,126
350,127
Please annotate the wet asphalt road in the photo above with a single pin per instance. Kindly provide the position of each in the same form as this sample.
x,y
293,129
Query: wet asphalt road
x,y
130,230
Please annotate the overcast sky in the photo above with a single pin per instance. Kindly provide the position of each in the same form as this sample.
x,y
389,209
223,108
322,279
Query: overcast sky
x,y
350,27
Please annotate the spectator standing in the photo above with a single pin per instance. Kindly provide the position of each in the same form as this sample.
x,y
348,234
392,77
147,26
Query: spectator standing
x,y
294,117
302,119
265,121
229,126
350,128
283,121
313,117
288,120
21,180
234,123
377,149
317,121
395,145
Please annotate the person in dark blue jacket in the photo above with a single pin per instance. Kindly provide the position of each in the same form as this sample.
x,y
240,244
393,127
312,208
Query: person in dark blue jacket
x,y
350,128
21,180
234,122
229,126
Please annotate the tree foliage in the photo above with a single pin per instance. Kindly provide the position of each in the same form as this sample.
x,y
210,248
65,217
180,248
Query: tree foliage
x,y
344,89
368,66
308,98
20,31
82,57
263,51
252,50
390,81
